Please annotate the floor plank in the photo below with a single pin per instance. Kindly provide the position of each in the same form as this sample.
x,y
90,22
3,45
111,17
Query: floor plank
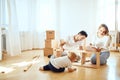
x,y
12,68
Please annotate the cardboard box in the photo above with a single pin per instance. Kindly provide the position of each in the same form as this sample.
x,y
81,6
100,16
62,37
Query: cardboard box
x,y
48,51
51,43
50,34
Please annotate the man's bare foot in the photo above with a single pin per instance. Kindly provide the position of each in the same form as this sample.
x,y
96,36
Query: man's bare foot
x,y
41,69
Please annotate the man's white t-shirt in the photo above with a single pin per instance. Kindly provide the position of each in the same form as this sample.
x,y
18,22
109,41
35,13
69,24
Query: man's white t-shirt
x,y
71,44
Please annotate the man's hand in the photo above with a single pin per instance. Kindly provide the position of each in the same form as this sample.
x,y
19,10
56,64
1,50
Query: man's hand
x,y
62,42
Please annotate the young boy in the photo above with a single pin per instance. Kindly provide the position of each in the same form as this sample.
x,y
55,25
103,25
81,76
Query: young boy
x,y
59,64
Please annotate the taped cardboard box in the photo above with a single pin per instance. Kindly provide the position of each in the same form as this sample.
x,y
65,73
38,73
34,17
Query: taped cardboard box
x,y
51,43
48,51
50,34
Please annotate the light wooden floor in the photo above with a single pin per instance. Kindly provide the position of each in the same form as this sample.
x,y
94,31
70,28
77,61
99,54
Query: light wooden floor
x,y
12,68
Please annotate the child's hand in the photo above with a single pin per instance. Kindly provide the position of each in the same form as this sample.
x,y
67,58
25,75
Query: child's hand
x,y
71,69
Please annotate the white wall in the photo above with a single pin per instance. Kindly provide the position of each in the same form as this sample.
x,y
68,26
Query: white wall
x,y
76,15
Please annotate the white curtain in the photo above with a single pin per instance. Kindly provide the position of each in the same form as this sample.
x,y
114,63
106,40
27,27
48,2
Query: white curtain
x,y
13,39
118,14
0,30
27,21
29,36
106,13
0,46
35,17
118,19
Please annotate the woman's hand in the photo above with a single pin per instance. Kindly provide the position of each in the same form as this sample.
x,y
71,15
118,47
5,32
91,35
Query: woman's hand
x,y
96,49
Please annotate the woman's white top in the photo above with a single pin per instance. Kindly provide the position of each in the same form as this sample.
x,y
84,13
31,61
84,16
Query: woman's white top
x,y
61,62
101,42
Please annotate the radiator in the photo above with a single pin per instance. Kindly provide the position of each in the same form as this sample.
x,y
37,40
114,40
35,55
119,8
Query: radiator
x,y
3,41
113,44
118,38
118,41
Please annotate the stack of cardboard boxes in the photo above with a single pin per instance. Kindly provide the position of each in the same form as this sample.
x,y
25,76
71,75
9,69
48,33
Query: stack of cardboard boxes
x,y
50,42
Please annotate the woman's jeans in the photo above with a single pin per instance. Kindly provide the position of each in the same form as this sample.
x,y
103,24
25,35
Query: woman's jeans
x,y
103,57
